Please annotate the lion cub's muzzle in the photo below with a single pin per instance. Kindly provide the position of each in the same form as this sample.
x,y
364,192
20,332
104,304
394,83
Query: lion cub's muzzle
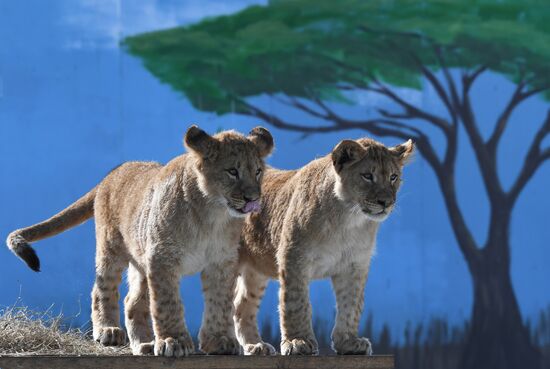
x,y
379,208
245,205
253,206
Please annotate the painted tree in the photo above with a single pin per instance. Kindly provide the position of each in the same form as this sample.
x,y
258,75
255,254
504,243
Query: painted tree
x,y
310,55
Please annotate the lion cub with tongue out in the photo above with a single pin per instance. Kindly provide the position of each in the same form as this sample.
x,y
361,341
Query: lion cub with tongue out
x,y
166,221
316,222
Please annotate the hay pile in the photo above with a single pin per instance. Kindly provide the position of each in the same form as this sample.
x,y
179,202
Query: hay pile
x,y
27,332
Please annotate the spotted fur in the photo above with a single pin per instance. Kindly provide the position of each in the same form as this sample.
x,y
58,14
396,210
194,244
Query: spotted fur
x,y
165,222
317,222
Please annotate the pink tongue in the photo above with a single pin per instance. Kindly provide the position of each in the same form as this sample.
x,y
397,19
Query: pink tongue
x,y
252,206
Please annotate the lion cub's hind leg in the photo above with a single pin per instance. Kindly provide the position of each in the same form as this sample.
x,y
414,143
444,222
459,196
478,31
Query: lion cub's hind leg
x,y
111,261
137,313
248,295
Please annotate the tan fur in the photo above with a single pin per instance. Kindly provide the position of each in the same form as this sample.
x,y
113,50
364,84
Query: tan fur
x,y
317,222
164,222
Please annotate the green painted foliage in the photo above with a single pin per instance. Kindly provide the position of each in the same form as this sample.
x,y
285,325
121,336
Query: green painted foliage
x,y
300,47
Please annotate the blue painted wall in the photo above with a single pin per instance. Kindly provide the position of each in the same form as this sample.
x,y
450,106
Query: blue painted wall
x,y
73,105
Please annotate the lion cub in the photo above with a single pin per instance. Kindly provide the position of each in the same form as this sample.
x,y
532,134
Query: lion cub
x,y
316,222
166,222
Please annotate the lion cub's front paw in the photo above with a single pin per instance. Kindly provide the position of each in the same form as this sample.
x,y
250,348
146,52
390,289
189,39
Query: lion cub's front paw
x,y
172,347
110,336
300,346
143,348
220,345
260,348
352,345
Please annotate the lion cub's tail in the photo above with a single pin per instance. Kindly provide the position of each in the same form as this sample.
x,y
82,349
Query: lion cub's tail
x,y
78,212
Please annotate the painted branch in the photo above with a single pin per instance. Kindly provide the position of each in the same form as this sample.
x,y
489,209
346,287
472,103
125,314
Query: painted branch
x,y
487,163
535,157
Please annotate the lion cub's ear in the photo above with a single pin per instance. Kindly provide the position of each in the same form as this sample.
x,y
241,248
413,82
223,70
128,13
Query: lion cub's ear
x,y
263,140
346,153
403,151
200,142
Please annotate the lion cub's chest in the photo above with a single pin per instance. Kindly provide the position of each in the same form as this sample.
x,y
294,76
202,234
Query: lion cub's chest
x,y
211,246
338,250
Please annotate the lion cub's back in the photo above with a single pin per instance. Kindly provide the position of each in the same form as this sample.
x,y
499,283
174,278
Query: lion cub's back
x,y
123,190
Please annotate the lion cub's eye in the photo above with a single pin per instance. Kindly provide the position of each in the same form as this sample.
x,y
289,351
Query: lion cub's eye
x,y
258,172
233,172
368,177
393,177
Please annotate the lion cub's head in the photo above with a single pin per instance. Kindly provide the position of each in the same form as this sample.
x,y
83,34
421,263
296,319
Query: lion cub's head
x,y
230,166
369,174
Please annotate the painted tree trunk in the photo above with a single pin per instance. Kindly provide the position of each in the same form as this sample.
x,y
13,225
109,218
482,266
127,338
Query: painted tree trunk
x,y
497,338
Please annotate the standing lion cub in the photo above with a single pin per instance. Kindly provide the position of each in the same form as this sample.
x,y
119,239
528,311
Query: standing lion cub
x,y
165,222
316,222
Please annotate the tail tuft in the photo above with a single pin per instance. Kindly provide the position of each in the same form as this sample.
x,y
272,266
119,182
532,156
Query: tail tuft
x,y
23,250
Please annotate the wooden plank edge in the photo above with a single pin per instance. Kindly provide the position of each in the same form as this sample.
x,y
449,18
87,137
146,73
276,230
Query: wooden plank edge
x,y
198,362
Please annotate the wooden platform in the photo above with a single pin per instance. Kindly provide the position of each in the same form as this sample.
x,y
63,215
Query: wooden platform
x,y
197,362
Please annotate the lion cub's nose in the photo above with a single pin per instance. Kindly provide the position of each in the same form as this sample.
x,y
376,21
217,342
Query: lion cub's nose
x,y
384,203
